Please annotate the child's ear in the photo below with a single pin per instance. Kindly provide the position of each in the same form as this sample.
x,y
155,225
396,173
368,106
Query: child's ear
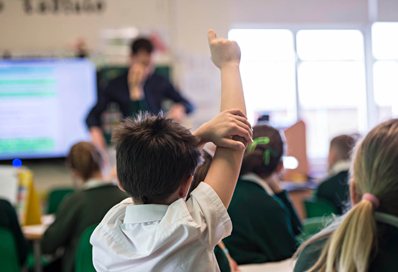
x,y
279,167
120,185
353,192
184,188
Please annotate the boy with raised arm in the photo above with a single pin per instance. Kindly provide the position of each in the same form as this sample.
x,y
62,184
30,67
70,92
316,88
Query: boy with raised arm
x,y
157,229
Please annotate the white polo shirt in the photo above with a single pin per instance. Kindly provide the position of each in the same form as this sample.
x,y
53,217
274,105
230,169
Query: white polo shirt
x,y
176,237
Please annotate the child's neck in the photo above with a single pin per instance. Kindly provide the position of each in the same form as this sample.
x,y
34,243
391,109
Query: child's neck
x,y
167,201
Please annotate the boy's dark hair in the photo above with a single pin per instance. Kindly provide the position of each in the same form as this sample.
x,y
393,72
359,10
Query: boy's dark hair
x,y
141,44
263,156
154,156
344,145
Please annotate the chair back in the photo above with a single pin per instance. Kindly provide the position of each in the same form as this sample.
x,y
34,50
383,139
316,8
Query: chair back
x,y
317,207
84,252
8,252
312,226
55,198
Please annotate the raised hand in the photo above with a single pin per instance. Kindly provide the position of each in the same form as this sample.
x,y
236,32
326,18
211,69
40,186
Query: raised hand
x,y
223,130
136,75
223,51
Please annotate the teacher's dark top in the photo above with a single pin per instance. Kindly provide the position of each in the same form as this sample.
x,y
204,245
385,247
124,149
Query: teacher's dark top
x,y
157,89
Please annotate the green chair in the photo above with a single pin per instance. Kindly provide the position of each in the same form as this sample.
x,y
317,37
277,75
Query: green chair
x,y
55,198
317,207
84,254
8,252
312,226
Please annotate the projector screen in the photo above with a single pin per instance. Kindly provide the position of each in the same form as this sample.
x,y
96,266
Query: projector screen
x,y
43,106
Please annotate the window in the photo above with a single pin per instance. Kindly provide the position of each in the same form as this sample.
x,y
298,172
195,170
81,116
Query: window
x,y
326,69
385,69
331,85
268,73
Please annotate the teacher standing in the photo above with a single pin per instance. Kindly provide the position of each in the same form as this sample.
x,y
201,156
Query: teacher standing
x,y
139,89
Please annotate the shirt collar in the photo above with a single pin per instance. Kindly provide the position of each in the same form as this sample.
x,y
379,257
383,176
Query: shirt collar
x,y
93,183
339,167
387,219
256,179
144,213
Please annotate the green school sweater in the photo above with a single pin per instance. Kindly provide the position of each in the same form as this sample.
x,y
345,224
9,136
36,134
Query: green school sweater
x,y
335,189
222,260
9,221
264,226
77,212
384,260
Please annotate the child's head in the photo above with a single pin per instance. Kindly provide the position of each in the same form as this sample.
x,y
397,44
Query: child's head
x,y
84,160
375,166
374,172
155,157
264,156
340,149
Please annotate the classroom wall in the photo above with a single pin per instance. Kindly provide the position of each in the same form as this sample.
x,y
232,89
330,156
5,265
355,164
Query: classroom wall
x,y
180,18
185,23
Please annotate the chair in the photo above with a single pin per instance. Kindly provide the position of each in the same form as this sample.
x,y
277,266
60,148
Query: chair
x,y
317,207
312,226
55,198
84,254
8,252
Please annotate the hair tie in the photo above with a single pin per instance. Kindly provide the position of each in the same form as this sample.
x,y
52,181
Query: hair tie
x,y
372,199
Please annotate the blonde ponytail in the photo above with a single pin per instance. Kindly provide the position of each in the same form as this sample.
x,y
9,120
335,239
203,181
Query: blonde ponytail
x,y
353,242
350,246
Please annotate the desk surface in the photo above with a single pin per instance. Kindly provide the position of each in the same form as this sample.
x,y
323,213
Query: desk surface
x,y
35,232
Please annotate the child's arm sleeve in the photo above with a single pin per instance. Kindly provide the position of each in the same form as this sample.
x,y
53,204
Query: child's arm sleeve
x,y
61,230
207,210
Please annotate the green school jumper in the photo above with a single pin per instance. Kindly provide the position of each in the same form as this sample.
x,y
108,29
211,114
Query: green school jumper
x,y
77,212
9,221
222,260
264,226
335,189
386,259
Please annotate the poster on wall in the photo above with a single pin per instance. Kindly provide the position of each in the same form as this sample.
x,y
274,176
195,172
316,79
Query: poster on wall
x,y
63,6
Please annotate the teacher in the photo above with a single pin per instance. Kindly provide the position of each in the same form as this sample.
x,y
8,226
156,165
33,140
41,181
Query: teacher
x,y
139,89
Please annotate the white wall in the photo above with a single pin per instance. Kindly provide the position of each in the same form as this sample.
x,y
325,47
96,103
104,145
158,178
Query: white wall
x,y
185,22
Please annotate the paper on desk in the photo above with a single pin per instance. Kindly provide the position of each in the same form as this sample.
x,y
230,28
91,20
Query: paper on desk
x,y
9,183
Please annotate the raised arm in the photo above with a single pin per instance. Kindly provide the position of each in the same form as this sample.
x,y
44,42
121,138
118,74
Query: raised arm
x,y
224,170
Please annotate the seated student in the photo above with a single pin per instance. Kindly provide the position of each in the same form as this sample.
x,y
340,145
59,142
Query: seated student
x,y
9,221
83,208
225,262
265,222
157,229
366,237
335,187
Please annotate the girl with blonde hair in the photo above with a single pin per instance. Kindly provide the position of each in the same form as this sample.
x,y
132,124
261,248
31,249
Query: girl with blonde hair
x,y
366,237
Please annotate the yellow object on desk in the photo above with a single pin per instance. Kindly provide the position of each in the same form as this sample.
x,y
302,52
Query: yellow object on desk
x,y
28,206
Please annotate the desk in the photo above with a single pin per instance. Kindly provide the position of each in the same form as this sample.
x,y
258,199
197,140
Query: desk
x,y
34,233
283,266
